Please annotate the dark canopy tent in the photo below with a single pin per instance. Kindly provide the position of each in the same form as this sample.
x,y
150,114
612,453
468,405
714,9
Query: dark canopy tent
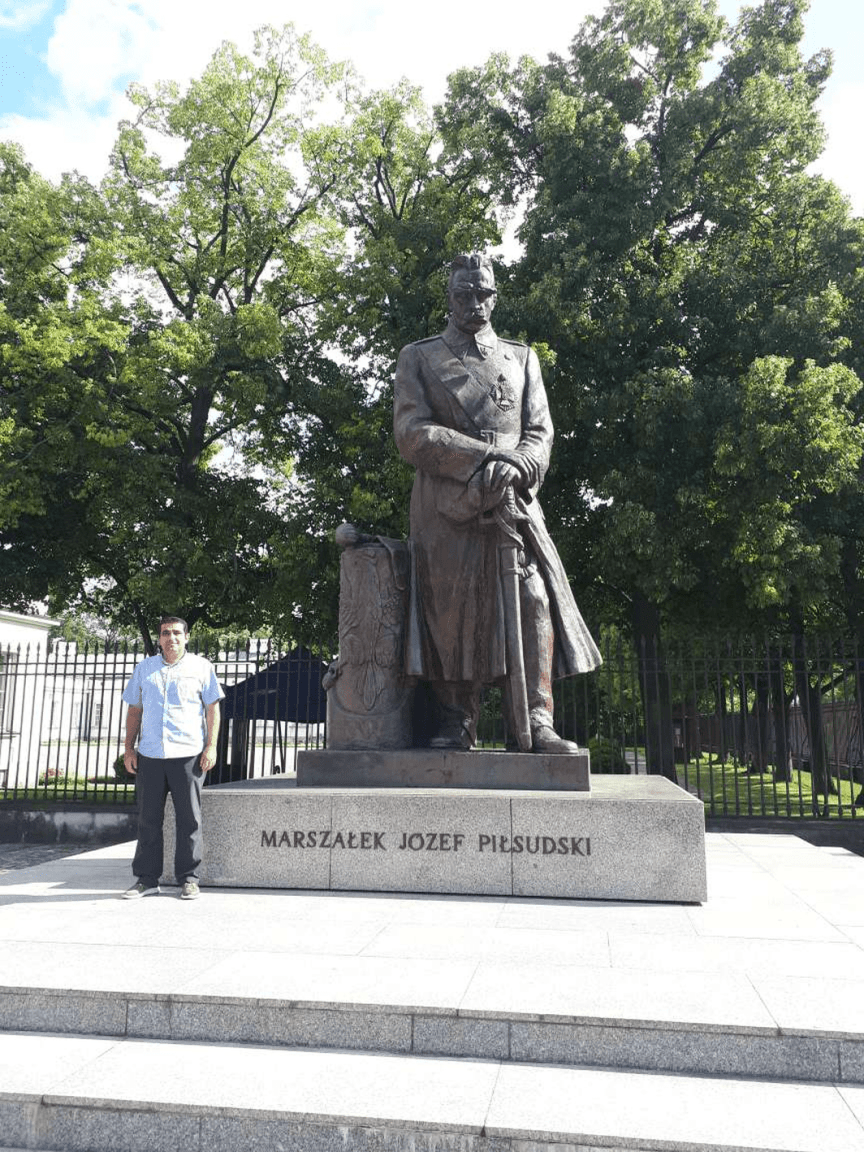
x,y
286,692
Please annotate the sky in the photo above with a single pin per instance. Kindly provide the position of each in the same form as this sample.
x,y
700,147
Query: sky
x,y
65,64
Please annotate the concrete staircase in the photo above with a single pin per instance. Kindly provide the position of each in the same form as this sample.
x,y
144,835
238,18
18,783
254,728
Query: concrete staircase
x,y
421,1024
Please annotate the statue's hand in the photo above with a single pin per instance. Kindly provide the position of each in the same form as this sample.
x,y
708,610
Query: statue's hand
x,y
502,476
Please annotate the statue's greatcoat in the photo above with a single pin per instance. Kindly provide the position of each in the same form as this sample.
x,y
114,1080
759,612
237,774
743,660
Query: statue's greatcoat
x,y
457,398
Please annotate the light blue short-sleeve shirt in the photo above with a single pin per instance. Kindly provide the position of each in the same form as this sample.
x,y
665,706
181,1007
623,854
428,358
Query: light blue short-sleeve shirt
x,y
174,700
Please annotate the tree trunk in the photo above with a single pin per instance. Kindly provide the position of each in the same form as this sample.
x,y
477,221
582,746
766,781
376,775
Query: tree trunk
x,y
781,702
758,759
854,589
654,688
810,698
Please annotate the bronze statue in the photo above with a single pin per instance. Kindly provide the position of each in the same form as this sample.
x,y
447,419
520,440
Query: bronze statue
x,y
489,598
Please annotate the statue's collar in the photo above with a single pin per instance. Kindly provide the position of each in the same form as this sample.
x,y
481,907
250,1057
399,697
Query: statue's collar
x,y
459,342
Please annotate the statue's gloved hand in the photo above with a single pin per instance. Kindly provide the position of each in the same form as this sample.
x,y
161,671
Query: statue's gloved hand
x,y
501,475
513,466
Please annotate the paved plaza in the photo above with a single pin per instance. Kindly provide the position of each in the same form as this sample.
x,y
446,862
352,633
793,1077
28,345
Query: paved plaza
x,y
301,1021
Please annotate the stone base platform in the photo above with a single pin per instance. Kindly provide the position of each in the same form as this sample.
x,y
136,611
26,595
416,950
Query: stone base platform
x,y
437,768
630,838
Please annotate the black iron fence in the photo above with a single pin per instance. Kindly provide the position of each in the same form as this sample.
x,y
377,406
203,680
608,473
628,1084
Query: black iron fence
x,y
756,728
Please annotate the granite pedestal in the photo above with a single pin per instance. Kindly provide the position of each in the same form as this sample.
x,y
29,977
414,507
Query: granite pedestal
x,y
439,768
629,838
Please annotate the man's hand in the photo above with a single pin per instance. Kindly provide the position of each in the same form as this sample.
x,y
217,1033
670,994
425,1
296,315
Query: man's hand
x,y
130,760
208,759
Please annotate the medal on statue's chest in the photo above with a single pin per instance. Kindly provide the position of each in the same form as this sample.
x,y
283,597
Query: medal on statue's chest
x,y
502,394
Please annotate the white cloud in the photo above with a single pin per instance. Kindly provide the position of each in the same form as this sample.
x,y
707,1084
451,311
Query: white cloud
x,y
97,45
19,16
69,139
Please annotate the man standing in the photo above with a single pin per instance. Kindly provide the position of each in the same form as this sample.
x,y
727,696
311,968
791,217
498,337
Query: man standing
x,y
173,700
490,601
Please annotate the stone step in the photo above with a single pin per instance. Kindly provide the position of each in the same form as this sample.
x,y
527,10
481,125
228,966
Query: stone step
x,y
741,1045
108,1095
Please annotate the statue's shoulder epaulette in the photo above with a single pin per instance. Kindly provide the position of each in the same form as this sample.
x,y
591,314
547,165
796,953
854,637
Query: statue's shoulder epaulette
x,y
428,339
515,343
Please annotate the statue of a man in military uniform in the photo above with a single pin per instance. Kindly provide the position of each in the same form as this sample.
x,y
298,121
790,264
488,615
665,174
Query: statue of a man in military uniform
x,y
490,602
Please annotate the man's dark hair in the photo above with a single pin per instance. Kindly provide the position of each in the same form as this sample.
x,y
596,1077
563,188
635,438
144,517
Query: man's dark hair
x,y
173,620
470,262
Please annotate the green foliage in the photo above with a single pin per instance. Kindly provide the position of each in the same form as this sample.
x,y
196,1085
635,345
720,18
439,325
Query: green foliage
x,y
125,405
607,757
196,358
121,774
674,246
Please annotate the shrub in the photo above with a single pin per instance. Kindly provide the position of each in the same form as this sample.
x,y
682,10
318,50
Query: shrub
x,y
607,756
57,778
120,773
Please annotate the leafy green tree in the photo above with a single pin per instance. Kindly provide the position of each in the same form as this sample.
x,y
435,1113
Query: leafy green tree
x,y
60,351
408,207
673,241
217,245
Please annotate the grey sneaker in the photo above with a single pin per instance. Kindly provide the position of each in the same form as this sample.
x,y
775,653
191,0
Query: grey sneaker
x,y
140,889
190,890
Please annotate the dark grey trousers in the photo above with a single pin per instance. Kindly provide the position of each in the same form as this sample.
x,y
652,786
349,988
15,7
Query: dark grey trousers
x,y
183,778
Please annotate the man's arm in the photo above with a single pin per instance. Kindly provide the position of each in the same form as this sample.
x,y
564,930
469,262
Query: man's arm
x,y
212,718
133,727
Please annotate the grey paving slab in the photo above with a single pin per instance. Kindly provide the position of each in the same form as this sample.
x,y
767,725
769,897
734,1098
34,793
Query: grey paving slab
x,y
104,968
314,1085
449,1036
298,956
321,980
831,874
62,1011
794,921
854,1097
388,908
851,1061
589,915
557,1103
14,856
296,1027
227,1134
147,1090
706,1053
31,1065
854,933
752,957
725,881
808,1004
842,908
593,995
506,945
118,1130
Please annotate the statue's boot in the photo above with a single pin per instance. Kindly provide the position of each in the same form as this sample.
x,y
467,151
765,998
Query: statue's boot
x,y
544,738
455,712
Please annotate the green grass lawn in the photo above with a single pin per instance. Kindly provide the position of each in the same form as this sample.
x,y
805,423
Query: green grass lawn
x,y
80,794
729,790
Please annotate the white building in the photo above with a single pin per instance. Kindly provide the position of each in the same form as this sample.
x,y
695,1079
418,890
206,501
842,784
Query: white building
x,y
22,639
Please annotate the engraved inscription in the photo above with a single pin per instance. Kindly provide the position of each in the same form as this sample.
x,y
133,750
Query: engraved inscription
x,y
417,841
537,845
